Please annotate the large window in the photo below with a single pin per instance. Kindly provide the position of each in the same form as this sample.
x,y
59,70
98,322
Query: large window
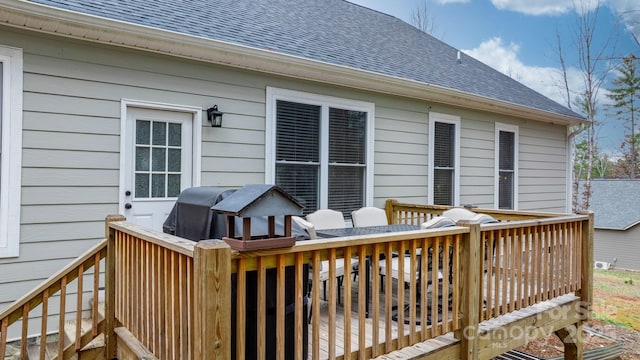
x,y
319,149
11,149
506,165
444,159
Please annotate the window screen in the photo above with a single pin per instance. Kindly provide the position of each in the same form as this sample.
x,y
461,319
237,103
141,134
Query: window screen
x,y
444,163
298,151
506,169
299,143
347,132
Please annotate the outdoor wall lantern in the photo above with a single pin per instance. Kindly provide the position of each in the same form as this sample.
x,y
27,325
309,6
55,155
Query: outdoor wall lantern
x,y
214,116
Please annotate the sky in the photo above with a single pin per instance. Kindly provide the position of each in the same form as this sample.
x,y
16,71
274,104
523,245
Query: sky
x,y
520,38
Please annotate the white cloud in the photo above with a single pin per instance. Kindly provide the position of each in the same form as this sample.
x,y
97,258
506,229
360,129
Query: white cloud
x,y
543,7
545,80
629,13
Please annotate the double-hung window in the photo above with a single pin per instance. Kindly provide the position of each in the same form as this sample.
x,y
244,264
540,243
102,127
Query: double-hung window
x,y
320,149
506,167
10,149
444,159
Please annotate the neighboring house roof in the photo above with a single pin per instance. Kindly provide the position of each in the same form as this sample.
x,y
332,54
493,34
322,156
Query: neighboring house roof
x,y
615,203
333,32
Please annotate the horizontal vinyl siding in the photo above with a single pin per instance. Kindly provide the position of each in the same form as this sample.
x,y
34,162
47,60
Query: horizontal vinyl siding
x,y
401,162
624,246
543,168
476,159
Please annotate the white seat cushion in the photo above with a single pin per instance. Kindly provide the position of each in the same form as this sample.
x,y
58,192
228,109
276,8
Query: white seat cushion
x,y
457,214
438,222
369,216
326,219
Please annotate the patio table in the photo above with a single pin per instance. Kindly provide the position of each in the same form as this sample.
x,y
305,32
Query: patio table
x,y
366,230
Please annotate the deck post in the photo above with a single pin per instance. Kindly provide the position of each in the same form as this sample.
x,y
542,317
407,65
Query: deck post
x,y
586,284
389,209
571,336
471,293
110,288
212,300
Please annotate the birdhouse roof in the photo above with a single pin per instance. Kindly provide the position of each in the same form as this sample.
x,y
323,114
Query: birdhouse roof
x,y
259,200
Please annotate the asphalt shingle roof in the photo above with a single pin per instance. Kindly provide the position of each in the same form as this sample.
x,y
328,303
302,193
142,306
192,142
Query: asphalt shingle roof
x,y
332,31
615,203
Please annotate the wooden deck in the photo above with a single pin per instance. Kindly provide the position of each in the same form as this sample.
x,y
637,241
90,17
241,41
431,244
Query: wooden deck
x,y
166,297
499,325
370,328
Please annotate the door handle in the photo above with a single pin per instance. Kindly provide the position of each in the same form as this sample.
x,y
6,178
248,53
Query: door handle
x,y
127,206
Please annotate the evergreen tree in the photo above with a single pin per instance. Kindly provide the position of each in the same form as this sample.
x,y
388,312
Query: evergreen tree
x,y
625,95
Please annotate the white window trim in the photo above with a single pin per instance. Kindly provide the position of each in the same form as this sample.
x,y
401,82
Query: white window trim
x,y
11,166
450,119
274,94
516,149
197,114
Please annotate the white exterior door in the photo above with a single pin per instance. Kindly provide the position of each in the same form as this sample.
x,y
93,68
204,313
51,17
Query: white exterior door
x,y
158,162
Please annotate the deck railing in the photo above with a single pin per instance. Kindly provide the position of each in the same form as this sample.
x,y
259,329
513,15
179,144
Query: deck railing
x,y
56,296
527,263
526,258
180,299
416,214
157,301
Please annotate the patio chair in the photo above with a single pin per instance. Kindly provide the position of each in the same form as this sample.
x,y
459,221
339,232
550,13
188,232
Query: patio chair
x,y
406,276
325,219
369,216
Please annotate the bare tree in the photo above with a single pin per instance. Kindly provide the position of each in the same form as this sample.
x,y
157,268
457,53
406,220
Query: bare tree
x,y
630,17
421,18
592,61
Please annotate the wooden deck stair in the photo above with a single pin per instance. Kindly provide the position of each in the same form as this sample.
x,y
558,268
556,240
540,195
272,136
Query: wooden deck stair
x,y
92,351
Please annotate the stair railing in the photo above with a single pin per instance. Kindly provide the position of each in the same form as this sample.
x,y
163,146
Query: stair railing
x,y
83,276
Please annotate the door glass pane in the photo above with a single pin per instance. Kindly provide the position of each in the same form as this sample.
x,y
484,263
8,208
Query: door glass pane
x,y
157,185
158,159
142,186
175,134
143,134
175,159
142,158
159,133
173,185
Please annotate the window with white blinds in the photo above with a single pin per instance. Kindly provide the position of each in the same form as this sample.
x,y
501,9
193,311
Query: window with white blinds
x,y
298,151
322,150
506,166
444,159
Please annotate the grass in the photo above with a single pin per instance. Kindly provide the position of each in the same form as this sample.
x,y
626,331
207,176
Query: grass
x,y
616,297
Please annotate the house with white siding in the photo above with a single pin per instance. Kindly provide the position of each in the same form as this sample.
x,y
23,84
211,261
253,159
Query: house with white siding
x,y
104,111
